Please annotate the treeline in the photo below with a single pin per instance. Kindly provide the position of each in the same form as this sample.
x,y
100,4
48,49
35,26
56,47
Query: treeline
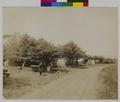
x,y
19,49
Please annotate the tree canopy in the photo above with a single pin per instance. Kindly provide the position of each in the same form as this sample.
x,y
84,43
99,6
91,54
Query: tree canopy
x,y
30,50
73,52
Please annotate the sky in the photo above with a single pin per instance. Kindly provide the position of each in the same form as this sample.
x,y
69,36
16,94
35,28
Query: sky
x,y
93,29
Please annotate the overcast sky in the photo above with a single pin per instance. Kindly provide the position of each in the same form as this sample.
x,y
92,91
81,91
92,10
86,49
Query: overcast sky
x,y
93,29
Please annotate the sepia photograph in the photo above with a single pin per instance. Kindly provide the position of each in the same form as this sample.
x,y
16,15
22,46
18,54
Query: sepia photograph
x,y
60,53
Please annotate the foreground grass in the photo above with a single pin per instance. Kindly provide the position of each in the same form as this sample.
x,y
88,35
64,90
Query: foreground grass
x,y
24,81
108,78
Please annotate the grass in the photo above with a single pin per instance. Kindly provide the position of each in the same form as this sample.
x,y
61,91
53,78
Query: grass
x,y
108,78
24,81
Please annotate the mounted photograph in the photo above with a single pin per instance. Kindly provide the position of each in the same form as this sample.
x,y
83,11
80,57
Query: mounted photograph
x,y
60,53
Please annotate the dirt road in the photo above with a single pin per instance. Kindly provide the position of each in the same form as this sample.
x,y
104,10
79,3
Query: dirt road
x,y
82,84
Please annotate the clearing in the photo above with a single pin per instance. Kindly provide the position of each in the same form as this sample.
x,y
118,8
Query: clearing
x,y
77,84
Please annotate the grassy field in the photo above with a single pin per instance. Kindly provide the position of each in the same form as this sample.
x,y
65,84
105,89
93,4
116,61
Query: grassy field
x,y
108,80
24,81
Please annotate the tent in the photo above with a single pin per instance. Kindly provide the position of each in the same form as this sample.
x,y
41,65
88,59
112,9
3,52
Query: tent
x,y
61,62
90,62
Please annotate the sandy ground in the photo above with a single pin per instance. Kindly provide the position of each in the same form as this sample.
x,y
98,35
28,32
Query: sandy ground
x,y
81,84
25,81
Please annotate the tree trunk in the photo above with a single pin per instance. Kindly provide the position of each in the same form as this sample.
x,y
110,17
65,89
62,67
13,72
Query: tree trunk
x,y
23,64
72,62
76,61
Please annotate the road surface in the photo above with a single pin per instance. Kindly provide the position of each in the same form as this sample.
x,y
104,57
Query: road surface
x,y
81,84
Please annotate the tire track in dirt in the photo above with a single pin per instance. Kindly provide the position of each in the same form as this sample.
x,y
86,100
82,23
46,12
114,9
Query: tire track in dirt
x,y
81,84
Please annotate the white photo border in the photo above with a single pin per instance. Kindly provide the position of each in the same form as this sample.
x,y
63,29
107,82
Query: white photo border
x,y
35,3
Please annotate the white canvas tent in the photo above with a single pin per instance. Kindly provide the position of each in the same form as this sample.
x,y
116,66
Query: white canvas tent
x,y
90,62
61,62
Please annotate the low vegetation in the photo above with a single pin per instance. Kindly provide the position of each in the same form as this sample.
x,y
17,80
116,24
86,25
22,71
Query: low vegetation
x,y
24,81
108,80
